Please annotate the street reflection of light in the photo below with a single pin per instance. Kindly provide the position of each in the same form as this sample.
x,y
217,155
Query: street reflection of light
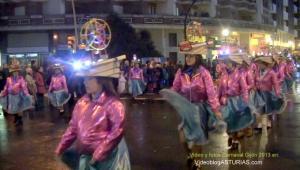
x,y
3,133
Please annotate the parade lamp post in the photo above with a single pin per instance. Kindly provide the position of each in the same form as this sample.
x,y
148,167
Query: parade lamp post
x,y
75,26
225,33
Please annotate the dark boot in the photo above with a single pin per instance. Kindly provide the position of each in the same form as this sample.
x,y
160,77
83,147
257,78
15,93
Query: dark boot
x,y
16,118
230,142
235,145
61,112
19,121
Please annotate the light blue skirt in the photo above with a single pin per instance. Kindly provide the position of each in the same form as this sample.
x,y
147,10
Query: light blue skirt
x,y
137,87
196,125
117,160
273,104
237,114
59,98
256,102
194,117
14,104
287,85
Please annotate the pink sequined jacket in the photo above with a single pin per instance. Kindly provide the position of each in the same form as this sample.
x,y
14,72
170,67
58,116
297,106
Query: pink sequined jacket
x,y
233,84
15,86
280,70
58,83
249,76
221,68
136,73
199,88
97,126
268,81
290,69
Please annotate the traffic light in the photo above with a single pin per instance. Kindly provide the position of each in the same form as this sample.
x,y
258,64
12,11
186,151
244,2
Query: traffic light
x,y
71,42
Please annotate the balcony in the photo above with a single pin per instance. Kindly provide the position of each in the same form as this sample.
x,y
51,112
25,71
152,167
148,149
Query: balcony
x,y
275,23
132,0
274,8
245,6
295,21
225,3
285,3
286,28
285,16
65,22
184,2
297,27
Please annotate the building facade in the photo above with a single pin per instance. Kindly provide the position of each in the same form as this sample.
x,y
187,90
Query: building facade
x,y
32,30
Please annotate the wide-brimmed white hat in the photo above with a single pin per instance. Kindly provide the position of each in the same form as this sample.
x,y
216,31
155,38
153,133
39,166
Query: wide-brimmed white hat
x,y
265,59
187,47
277,58
238,58
247,59
102,68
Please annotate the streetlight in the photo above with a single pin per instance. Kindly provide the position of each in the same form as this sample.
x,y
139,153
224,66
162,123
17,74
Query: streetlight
x,y
75,25
55,36
225,32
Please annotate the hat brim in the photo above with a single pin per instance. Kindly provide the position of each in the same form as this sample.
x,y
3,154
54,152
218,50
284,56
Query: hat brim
x,y
267,60
277,58
247,60
14,70
195,51
237,58
106,68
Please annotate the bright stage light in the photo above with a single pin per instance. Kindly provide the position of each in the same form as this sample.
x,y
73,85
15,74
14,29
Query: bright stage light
x,y
87,63
227,51
77,65
225,32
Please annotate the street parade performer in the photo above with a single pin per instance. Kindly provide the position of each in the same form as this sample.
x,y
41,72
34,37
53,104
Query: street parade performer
x,y
280,68
221,69
15,98
234,97
136,78
290,75
195,98
268,88
97,124
58,91
255,100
